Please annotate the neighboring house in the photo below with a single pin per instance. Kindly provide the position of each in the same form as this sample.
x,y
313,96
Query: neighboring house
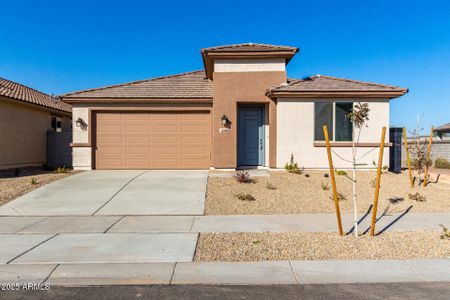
x,y
241,110
25,117
443,130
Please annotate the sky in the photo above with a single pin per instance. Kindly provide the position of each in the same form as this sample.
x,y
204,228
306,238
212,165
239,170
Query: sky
x,y
63,46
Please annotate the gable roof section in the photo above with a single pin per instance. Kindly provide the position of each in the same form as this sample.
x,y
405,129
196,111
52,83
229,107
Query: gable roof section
x,y
328,86
246,50
16,91
249,47
190,85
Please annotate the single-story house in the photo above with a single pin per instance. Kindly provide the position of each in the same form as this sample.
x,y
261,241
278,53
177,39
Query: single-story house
x,y
25,117
241,110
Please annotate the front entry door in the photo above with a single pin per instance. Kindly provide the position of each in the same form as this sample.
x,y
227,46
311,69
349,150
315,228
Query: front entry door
x,y
251,135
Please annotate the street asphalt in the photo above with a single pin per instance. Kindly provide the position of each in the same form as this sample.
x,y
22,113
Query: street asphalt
x,y
413,290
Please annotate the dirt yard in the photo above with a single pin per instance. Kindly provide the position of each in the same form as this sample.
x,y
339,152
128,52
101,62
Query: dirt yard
x,y
320,246
285,193
14,184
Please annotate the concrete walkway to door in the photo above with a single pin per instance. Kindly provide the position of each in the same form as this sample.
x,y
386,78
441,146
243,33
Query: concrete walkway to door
x,y
116,193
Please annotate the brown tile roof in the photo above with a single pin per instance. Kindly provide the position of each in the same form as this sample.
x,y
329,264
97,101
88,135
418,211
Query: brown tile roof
x,y
249,47
17,91
191,85
322,83
443,128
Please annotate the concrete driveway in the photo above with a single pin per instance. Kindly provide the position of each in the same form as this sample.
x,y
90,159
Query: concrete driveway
x,y
116,193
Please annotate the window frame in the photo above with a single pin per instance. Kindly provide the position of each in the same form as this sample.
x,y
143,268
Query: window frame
x,y
332,138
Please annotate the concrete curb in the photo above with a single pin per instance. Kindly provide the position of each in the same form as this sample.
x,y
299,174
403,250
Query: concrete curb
x,y
230,273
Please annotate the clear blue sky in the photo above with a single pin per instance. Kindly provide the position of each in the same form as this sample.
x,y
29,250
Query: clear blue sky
x,y
62,46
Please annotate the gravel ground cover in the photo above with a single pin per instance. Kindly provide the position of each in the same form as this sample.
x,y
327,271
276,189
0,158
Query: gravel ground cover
x,y
286,193
14,184
320,246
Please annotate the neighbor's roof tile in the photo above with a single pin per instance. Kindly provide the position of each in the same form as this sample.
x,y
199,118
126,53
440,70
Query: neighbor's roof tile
x,y
17,91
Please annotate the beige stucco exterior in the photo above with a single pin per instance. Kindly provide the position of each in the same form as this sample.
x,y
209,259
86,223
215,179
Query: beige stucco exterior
x,y
295,134
23,133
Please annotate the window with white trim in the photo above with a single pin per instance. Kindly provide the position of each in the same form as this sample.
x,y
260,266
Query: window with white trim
x,y
334,115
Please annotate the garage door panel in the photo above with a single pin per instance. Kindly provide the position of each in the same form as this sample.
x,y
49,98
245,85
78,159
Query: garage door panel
x,y
153,140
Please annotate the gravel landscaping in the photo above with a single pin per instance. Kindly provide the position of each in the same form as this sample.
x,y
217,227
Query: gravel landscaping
x,y
233,247
286,193
14,184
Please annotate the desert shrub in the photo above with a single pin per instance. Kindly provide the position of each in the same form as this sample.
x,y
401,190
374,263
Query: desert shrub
x,y
442,163
445,233
341,172
340,196
245,197
292,166
34,181
395,200
270,186
243,177
419,164
326,175
417,197
306,175
62,169
325,186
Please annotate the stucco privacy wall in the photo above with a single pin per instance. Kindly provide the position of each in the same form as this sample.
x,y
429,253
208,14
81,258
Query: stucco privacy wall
x,y
24,134
295,134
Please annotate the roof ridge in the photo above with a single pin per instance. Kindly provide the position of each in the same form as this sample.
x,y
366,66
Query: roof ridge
x,y
27,87
131,83
355,81
247,44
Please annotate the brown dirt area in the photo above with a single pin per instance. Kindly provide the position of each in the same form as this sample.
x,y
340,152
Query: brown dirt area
x,y
320,246
12,186
296,193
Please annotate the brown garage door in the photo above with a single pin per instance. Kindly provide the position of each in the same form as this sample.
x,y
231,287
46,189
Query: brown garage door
x,y
152,140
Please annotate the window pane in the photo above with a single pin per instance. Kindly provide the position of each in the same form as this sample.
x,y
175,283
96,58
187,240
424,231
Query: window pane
x,y
344,127
323,116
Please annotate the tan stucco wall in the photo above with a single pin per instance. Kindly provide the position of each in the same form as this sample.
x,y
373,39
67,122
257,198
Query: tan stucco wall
x,y
230,89
250,65
295,133
23,134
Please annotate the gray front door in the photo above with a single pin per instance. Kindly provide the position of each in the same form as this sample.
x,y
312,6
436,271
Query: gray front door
x,y
251,135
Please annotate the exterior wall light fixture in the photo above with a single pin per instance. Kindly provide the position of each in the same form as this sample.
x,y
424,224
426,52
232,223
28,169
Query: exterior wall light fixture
x,y
225,120
81,123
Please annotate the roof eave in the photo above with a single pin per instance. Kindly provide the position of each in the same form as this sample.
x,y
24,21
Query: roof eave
x,y
72,100
335,94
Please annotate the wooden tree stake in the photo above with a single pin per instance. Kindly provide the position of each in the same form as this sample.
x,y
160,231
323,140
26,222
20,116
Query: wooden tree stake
x,y
430,142
377,184
333,180
408,159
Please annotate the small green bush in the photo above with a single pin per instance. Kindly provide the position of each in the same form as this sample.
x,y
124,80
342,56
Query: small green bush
x,y
341,172
417,197
442,163
245,197
325,186
340,196
34,181
292,166
445,233
62,169
270,186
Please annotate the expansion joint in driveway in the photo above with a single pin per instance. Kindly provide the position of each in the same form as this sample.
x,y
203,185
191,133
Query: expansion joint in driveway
x,y
112,197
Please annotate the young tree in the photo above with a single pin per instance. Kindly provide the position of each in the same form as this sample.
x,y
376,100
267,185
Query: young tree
x,y
359,117
418,152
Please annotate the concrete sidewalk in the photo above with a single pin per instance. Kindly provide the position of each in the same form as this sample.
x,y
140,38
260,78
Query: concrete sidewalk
x,y
226,273
231,223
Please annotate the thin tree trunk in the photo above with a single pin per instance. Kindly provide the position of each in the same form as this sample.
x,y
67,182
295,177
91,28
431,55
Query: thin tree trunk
x,y
355,209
